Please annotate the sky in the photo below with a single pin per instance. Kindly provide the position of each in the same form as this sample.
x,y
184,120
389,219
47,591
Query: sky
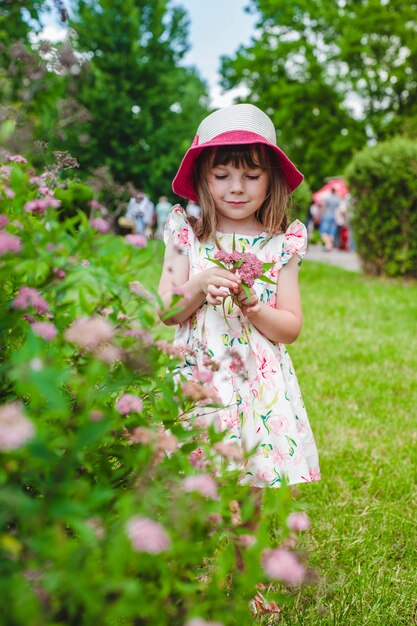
x,y
217,27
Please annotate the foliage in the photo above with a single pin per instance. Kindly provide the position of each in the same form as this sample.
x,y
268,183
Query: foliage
x,y
327,71
113,507
286,74
357,365
383,182
143,106
301,201
33,76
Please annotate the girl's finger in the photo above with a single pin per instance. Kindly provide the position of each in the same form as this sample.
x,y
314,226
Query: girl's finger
x,y
222,292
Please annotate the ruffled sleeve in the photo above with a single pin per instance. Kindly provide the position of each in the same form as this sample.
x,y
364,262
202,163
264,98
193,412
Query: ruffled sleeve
x,y
178,229
294,242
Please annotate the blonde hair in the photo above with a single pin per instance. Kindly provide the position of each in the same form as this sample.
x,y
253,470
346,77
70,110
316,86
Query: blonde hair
x,y
272,214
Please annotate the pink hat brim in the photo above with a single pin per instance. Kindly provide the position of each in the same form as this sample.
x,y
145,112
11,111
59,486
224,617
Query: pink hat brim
x,y
183,185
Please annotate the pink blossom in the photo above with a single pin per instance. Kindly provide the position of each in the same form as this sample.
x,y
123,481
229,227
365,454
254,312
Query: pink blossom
x,y
203,375
197,621
147,535
142,435
108,353
122,316
102,226
215,519
45,191
237,364
203,484
59,273
15,428
36,180
244,264
96,206
197,458
27,297
46,330
5,170
3,220
17,158
9,193
129,404
96,526
85,262
39,205
137,241
166,442
179,351
298,521
96,415
9,243
89,332
196,391
229,450
246,540
141,334
283,565
139,290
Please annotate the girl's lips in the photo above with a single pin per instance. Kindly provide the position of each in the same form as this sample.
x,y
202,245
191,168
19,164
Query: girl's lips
x,y
236,203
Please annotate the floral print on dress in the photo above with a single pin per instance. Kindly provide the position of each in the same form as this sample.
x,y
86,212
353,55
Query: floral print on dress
x,y
263,408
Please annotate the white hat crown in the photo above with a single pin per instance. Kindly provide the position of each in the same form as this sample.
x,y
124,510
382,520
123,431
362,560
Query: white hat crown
x,y
245,117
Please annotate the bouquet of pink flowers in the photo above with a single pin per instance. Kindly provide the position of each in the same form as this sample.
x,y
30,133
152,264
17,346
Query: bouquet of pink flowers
x,y
245,265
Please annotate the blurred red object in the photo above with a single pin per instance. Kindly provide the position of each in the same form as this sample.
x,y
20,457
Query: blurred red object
x,y
337,183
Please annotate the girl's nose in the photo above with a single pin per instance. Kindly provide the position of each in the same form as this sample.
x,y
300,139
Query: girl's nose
x,y
236,184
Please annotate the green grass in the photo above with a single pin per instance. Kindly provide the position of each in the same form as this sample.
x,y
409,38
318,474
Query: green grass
x,y
356,362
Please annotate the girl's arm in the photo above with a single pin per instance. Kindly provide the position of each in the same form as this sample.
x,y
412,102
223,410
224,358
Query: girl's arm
x,y
210,285
281,324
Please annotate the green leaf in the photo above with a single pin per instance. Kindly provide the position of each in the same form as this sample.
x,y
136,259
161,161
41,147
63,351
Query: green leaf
x,y
246,289
265,279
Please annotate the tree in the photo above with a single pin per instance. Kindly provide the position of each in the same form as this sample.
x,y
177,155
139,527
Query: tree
x,y
143,106
29,88
329,71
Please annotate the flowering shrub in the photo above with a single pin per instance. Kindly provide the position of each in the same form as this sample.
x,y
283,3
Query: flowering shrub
x,y
114,508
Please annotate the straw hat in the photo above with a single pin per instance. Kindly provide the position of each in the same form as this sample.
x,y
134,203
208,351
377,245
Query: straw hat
x,y
234,125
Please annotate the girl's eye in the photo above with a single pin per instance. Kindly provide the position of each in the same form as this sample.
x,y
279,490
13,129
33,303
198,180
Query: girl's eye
x,y
253,176
220,176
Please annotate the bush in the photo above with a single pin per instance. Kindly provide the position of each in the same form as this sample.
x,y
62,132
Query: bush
x,y
301,201
383,182
113,508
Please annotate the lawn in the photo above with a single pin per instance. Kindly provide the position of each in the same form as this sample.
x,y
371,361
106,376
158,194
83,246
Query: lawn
x,y
356,362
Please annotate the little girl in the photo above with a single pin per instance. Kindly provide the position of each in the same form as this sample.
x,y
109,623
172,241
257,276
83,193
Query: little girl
x,y
242,180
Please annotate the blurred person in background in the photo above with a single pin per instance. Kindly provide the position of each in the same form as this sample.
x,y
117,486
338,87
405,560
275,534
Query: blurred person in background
x,y
162,210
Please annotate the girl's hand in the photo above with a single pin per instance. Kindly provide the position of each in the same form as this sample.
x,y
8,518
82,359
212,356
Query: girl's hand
x,y
217,283
248,306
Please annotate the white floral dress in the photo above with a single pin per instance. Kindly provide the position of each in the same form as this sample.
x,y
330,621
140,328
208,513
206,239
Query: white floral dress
x,y
264,411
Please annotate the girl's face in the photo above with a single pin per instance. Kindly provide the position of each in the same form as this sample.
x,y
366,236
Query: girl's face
x,y
237,192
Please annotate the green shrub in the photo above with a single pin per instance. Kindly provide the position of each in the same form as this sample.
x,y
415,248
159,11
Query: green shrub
x,y
97,524
301,201
383,182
